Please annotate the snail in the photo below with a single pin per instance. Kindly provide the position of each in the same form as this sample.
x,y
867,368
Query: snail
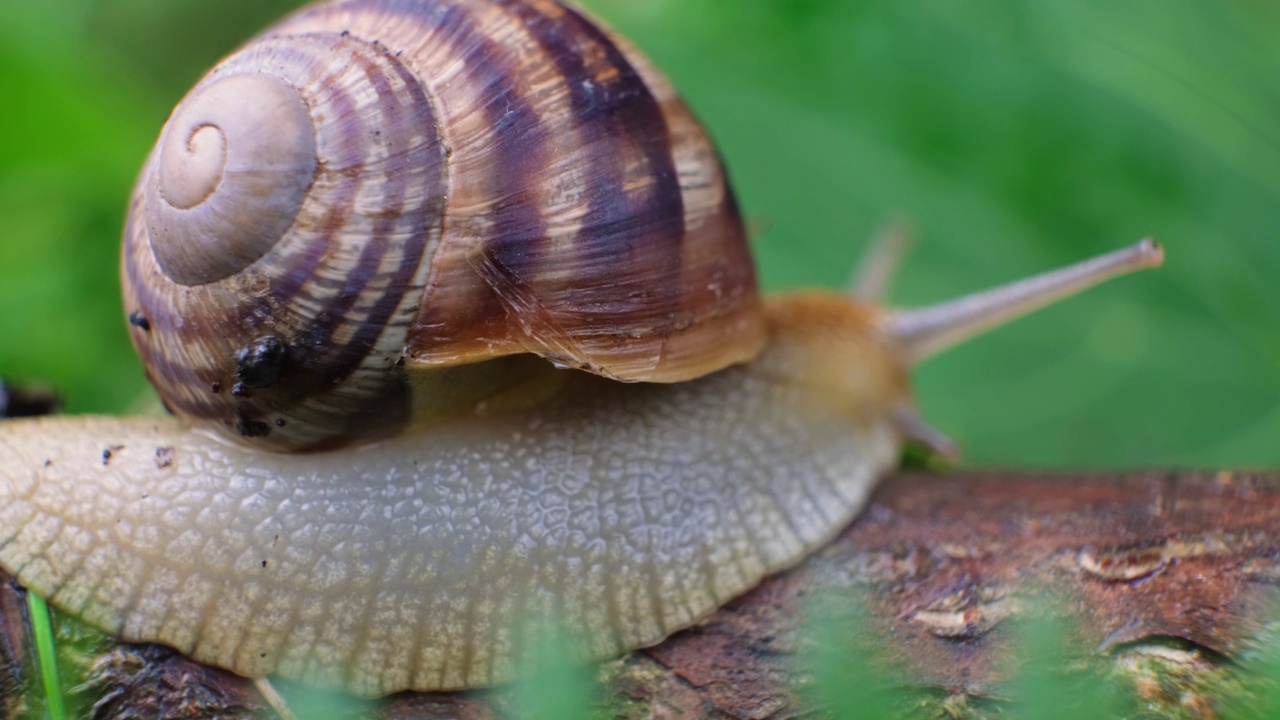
x,y
456,313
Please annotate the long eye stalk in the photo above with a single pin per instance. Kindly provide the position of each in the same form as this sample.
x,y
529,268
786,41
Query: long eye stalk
x,y
924,332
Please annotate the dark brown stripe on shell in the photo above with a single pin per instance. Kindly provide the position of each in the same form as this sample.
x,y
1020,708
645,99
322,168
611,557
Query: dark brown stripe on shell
x,y
642,232
521,140
169,330
289,282
325,362
315,349
619,277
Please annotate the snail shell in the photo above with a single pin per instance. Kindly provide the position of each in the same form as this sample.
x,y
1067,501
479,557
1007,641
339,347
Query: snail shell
x,y
375,190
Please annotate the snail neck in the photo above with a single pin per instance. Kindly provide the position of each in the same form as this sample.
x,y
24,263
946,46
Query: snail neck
x,y
839,347
822,342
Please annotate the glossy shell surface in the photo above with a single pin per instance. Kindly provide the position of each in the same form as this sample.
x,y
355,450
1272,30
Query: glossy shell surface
x,y
374,188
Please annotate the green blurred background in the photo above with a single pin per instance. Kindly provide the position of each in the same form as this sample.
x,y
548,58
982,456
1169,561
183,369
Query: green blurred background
x,y
1014,135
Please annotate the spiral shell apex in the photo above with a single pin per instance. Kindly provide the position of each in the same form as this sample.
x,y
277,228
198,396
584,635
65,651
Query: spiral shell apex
x,y
378,188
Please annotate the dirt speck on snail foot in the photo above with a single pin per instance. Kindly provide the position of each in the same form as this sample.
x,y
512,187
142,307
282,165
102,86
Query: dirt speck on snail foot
x,y
164,457
109,452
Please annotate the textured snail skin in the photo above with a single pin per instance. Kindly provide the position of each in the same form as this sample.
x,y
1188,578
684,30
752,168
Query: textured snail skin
x,y
625,511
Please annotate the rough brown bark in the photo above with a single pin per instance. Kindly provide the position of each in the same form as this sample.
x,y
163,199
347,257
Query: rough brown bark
x,y
1169,578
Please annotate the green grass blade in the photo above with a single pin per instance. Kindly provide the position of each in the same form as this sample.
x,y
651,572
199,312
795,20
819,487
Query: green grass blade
x,y
852,678
55,705
554,685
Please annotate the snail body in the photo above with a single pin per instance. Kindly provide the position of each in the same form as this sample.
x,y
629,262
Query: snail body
x,y
628,510
462,456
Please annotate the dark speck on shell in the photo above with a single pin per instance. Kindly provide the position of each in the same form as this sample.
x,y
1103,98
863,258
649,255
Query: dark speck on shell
x,y
139,321
258,365
252,428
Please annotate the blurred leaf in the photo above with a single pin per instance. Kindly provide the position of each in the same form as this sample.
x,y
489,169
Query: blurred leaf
x,y
184,38
68,153
1052,684
307,703
1261,672
851,680
552,686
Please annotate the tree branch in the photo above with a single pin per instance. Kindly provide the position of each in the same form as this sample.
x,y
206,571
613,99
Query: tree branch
x,y
1166,575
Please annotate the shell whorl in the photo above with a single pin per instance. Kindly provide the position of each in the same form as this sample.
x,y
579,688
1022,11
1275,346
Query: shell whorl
x,y
294,336
490,177
259,179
